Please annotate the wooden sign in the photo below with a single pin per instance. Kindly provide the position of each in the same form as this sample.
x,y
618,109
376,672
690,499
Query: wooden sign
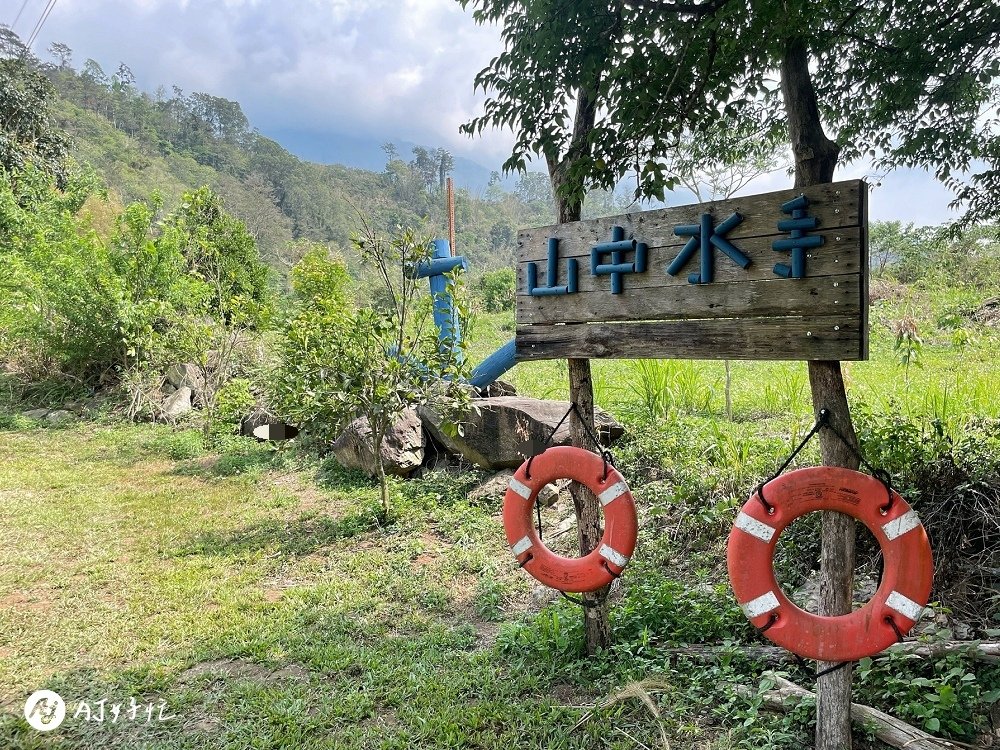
x,y
781,275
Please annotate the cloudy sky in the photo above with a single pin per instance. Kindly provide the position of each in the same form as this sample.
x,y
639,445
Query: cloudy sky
x,y
377,69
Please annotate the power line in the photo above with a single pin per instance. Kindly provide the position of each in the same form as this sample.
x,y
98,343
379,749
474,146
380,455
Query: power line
x,y
18,16
41,22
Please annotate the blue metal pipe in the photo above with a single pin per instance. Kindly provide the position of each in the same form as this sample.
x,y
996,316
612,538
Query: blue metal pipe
x,y
494,365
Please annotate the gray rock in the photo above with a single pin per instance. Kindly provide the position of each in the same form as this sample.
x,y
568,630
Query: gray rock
x,y
498,388
177,404
186,375
35,413
59,416
494,489
508,429
167,390
402,450
258,416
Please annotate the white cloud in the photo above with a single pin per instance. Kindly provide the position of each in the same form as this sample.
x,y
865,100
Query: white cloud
x,y
380,69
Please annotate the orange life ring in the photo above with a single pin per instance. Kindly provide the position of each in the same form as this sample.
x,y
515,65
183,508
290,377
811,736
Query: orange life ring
x,y
576,574
906,579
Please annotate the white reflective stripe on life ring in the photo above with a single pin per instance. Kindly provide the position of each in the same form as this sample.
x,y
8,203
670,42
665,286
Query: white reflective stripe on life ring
x,y
613,556
612,493
904,605
899,526
761,605
520,488
521,546
754,527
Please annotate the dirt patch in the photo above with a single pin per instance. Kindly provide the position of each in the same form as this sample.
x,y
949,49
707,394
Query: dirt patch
x,y
570,695
433,545
243,669
272,595
204,724
20,602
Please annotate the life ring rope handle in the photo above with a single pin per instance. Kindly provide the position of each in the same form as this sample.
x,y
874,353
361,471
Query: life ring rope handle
x,y
823,420
605,454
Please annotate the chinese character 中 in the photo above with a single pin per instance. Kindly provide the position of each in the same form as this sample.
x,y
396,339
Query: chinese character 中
x,y
799,241
703,237
617,248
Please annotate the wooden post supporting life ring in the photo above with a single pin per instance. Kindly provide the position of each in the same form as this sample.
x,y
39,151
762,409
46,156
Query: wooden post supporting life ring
x,y
906,579
579,574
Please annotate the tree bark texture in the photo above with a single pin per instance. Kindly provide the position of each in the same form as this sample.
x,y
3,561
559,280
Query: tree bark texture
x,y
597,626
588,509
815,162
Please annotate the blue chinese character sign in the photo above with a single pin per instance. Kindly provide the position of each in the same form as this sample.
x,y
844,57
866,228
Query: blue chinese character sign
x,y
799,242
617,248
782,275
707,238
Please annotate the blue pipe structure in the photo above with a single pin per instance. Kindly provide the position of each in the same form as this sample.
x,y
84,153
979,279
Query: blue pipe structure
x,y
494,365
445,315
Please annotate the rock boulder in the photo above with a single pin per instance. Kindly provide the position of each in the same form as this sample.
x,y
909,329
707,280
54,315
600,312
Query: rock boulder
x,y
507,429
186,375
177,404
402,449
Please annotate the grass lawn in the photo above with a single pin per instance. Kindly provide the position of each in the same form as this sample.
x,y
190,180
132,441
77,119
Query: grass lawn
x,y
265,610
256,597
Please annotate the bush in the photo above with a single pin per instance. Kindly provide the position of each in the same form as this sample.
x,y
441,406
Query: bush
x,y
954,484
90,310
339,362
498,290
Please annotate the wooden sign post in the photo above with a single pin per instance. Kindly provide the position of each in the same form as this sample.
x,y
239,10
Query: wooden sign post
x,y
778,276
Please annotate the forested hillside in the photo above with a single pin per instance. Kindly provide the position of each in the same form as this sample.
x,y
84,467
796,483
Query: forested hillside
x,y
170,141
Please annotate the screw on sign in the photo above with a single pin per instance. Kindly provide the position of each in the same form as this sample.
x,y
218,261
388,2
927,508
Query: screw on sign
x,y
906,578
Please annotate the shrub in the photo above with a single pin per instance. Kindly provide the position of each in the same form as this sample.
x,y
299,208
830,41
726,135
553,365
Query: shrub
x,y
498,290
339,361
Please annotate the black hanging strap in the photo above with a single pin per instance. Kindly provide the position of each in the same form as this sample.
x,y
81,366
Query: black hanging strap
x,y
604,452
823,420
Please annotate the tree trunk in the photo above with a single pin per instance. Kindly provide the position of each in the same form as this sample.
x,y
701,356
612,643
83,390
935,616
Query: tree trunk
x,y
815,162
588,509
581,389
377,440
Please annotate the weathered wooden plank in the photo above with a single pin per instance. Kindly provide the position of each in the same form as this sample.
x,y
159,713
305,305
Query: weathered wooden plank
x,y
774,297
793,338
842,252
837,205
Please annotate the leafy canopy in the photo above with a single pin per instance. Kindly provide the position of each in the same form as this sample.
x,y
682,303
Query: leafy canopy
x,y
905,83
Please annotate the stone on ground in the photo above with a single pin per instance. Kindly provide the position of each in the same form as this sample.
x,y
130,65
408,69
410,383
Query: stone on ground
x,y
506,430
402,449
178,403
186,375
